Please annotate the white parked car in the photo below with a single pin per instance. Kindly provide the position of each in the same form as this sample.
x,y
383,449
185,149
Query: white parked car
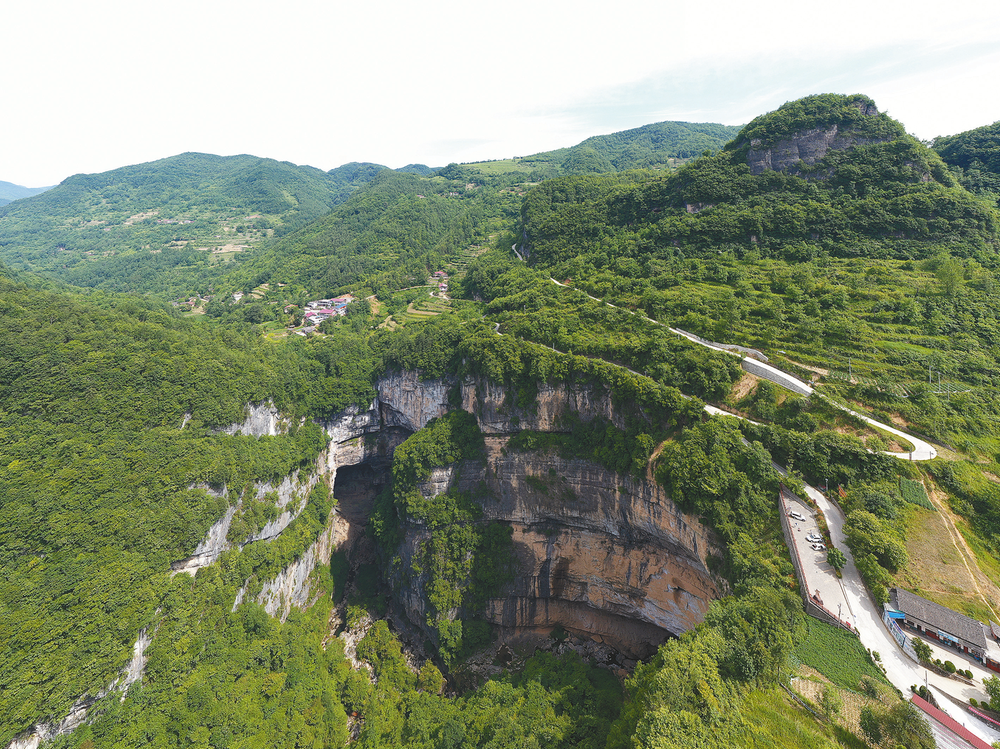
x,y
818,547
795,515
814,537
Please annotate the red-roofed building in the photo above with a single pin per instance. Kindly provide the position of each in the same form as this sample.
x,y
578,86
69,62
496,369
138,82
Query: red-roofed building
x,y
948,732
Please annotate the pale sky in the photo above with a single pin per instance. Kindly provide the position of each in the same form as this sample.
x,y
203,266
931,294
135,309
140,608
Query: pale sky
x,y
91,85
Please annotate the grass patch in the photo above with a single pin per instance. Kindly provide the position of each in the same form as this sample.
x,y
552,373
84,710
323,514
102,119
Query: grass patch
x,y
836,654
988,563
775,721
914,493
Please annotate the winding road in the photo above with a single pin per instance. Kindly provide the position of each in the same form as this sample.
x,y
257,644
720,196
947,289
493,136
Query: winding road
x,y
901,670
922,450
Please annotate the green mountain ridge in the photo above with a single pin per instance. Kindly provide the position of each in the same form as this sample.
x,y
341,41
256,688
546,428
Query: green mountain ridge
x,y
10,192
875,192
975,157
868,256
127,229
661,145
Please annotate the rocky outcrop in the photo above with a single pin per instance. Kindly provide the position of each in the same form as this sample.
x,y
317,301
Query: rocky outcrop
x,y
132,673
490,403
804,149
291,587
262,420
405,401
346,432
605,556
600,554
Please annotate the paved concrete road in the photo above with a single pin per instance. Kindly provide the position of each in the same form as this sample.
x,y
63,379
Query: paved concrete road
x,y
820,578
900,669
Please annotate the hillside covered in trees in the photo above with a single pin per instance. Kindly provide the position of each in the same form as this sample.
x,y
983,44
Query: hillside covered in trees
x,y
820,234
165,227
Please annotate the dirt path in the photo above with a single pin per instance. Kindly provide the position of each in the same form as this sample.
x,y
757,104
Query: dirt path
x,y
817,370
965,553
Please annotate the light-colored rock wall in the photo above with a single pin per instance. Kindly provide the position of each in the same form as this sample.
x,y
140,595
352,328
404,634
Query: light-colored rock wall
x,y
404,400
291,586
807,147
262,420
489,401
600,554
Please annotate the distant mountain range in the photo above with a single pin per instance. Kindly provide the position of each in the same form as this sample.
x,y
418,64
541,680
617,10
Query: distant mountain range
x,y
9,191
168,226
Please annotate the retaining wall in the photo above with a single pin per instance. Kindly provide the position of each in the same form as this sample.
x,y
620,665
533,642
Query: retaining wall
x,y
812,607
776,376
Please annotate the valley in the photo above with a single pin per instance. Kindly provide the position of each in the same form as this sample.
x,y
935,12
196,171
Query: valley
x,y
491,454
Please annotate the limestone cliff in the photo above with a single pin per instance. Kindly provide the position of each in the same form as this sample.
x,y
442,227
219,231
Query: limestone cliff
x,y
802,149
600,554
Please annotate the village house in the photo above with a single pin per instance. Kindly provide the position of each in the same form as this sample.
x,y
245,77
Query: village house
x,y
947,627
319,310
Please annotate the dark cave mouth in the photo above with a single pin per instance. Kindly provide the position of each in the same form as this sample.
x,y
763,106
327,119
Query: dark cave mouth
x,y
355,488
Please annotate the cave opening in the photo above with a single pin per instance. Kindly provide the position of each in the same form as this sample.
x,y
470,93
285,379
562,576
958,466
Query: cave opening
x,y
355,488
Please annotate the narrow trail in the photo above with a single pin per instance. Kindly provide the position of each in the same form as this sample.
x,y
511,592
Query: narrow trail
x,y
964,552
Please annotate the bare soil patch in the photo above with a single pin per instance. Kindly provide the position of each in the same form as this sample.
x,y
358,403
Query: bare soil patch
x,y
743,387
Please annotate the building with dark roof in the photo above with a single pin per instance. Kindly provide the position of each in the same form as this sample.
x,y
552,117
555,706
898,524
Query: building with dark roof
x,y
940,623
948,732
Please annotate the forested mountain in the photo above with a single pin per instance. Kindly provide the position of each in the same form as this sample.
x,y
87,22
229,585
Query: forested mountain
x,y
975,157
486,507
9,191
660,146
655,146
406,222
387,236
824,175
163,226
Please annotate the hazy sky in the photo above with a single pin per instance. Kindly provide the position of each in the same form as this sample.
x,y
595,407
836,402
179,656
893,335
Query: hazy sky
x,y
91,85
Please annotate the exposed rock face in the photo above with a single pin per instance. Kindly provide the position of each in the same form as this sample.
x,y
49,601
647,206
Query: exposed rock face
x,y
807,147
262,420
488,401
291,586
407,402
603,555
44,732
347,433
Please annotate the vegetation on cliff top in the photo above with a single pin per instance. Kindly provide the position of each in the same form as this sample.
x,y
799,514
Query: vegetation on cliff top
x,y
109,404
856,114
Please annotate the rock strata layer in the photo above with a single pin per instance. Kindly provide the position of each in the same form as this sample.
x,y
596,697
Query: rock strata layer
x,y
605,556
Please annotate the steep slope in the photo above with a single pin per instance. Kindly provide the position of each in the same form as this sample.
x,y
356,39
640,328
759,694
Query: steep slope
x,y
601,552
